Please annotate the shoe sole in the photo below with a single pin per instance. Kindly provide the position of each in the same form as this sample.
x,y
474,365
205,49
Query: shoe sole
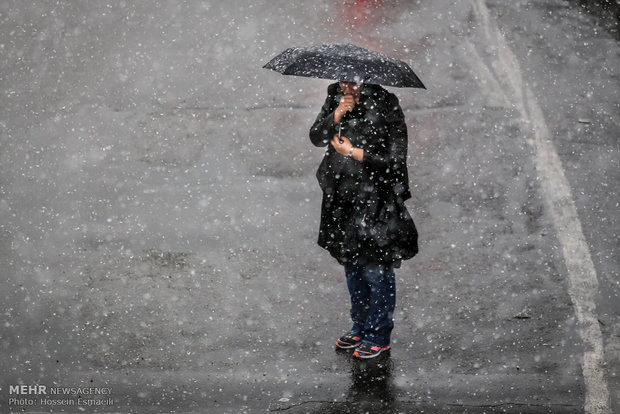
x,y
369,356
347,346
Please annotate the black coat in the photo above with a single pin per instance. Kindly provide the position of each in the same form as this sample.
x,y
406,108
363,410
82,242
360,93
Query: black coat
x,y
363,215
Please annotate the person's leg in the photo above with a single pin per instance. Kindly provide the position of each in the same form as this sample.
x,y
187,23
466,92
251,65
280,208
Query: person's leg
x,y
360,297
379,322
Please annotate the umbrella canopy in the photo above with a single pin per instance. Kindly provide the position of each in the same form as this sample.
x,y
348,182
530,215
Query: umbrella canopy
x,y
345,62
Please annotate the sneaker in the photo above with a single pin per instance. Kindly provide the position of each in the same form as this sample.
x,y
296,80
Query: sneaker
x,y
366,350
349,341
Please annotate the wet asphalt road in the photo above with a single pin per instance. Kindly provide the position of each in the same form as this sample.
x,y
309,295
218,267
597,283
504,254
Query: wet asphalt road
x,y
159,209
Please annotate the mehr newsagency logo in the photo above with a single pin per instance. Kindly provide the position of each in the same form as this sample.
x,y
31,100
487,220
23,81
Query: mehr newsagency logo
x,y
45,396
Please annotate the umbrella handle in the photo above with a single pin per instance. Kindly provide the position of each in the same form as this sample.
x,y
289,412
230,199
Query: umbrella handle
x,y
339,128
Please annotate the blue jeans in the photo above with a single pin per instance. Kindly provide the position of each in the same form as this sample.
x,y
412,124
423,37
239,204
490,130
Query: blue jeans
x,y
373,298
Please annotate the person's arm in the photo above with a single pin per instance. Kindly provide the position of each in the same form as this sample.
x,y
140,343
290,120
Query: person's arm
x,y
395,157
324,126
347,149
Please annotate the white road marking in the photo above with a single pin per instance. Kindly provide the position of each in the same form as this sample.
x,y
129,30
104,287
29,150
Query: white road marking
x,y
582,277
494,93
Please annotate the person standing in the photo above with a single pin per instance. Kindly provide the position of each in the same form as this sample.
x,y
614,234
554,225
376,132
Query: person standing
x,y
364,222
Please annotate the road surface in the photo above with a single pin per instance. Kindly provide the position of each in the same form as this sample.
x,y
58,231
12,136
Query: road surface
x,y
159,210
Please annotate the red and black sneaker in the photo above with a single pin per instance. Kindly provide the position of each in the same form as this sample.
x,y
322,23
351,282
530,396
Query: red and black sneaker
x,y
349,341
366,350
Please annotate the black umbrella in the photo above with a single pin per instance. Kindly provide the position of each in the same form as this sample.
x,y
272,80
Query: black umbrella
x,y
345,62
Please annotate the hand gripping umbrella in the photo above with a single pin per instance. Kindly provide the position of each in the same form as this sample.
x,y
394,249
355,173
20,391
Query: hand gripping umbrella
x,y
345,62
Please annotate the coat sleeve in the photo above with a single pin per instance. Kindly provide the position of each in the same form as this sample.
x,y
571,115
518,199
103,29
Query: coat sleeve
x,y
324,128
394,158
